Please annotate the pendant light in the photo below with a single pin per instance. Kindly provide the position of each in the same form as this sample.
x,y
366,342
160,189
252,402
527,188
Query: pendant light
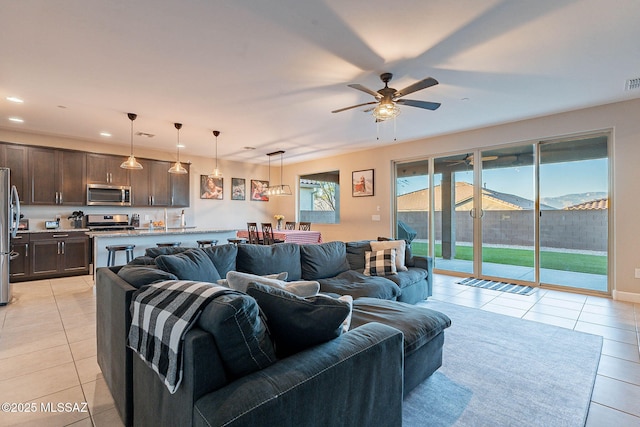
x,y
177,166
216,172
131,162
277,190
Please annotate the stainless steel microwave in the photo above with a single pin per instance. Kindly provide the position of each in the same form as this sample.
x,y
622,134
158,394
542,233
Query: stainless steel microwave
x,y
108,195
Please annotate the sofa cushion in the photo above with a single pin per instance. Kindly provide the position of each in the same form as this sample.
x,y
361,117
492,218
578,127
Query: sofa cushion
x,y
240,333
418,324
398,245
192,264
223,257
409,277
141,275
358,285
323,260
142,260
380,263
240,281
165,250
355,254
270,259
297,323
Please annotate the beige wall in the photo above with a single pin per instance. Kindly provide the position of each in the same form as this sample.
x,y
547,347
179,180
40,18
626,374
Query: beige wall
x,y
621,118
356,213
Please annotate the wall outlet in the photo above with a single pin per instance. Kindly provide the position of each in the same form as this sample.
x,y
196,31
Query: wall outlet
x,y
637,273
375,217
146,217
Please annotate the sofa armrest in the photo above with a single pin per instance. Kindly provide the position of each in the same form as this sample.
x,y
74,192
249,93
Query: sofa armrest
x,y
113,319
354,380
426,263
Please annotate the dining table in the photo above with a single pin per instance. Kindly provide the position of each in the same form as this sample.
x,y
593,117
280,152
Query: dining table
x,y
289,236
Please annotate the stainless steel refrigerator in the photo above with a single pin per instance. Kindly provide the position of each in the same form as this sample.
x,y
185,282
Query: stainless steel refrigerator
x,y
9,221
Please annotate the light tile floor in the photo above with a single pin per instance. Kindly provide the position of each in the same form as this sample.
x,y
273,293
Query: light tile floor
x,y
48,349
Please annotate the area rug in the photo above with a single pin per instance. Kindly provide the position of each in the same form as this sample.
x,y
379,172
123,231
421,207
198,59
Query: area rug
x,y
504,371
497,286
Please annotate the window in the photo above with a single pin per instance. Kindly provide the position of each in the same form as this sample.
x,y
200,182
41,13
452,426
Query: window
x,y
320,198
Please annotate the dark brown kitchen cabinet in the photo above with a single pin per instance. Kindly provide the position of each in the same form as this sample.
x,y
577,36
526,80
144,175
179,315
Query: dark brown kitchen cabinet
x,y
180,189
57,177
105,169
15,158
151,185
59,254
19,264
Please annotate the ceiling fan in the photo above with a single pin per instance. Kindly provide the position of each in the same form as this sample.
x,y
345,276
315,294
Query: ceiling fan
x,y
388,97
468,160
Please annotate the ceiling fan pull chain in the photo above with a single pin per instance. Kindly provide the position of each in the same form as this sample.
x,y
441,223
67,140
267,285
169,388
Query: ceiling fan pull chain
x,y
394,128
377,130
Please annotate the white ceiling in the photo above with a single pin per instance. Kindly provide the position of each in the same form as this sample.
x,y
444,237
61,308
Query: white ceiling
x,y
267,74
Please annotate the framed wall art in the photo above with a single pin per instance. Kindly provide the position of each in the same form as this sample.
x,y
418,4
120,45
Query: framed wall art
x,y
258,190
211,188
362,183
238,189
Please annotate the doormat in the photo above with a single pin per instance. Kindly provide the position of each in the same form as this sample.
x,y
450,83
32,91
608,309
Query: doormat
x,y
497,286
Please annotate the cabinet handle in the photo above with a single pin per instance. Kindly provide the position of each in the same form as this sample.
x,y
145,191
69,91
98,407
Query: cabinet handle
x,y
58,248
62,243
16,238
26,250
60,235
60,198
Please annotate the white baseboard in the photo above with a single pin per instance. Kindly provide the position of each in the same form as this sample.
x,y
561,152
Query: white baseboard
x,y
626,296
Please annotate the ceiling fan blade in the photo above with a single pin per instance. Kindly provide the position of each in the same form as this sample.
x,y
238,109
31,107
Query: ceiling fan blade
x,y
420,104
489,158
366,90
354,106
422,84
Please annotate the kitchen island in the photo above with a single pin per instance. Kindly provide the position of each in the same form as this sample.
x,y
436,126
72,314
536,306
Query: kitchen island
x,y
145,238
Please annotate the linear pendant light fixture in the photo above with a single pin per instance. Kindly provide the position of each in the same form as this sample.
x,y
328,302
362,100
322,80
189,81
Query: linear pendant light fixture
x,y
216,172
177,166
131,162
277,190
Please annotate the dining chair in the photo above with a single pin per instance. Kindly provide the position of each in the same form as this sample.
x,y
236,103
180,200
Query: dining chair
x,y
305,226
254,237
267,234
290,225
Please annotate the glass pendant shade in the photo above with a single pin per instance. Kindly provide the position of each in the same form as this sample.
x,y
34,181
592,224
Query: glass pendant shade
x,y
177,167
217,173
131,162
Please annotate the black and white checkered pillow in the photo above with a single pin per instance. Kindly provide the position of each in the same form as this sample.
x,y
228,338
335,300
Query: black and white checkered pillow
x,y
380,263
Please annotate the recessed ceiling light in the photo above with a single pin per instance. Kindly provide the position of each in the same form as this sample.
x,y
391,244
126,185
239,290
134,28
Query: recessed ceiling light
x,y
248,148
145,134
105,134
180,145
16,120
14,99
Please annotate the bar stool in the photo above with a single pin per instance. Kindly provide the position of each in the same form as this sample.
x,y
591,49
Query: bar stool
x,y
205,243
236,241
169,244
113,249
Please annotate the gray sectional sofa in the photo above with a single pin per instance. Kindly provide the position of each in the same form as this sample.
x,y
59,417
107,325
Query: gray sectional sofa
x,y
358,378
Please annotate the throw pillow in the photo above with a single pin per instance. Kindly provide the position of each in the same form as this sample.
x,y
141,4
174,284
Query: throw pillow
x,y
240,282
398,245
193,264
298,323
279,276
140,275
240,333
380,263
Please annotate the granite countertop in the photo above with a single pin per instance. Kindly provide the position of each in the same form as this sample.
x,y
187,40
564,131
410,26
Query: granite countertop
x,y
159,231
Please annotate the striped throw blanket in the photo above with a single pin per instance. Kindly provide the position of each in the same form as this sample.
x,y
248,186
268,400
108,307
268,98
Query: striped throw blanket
x,y
162,313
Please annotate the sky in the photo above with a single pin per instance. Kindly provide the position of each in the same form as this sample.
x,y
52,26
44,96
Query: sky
x,y
556,179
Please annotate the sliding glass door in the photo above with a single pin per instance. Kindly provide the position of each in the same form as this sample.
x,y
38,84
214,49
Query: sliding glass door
x,y
533,213
574,213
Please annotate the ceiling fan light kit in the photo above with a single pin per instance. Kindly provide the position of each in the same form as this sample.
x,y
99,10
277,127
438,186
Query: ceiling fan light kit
x,y
281,189
131,162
